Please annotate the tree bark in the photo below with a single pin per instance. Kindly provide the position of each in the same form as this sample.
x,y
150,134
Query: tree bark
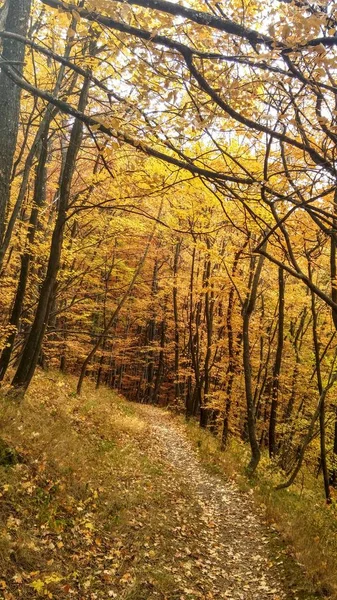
x,y
32,348
277,367
247,312
320,388
38,201
176,322
13,52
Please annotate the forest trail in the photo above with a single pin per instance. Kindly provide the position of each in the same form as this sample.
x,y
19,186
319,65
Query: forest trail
x,y
225,551
122,507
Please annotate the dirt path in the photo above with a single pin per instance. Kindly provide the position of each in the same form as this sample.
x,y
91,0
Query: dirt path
x,y
227,552
111,501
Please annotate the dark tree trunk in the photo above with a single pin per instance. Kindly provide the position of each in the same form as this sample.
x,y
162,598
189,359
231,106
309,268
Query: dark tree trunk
x,y
177,390
160,367
207,412
233,352
10,93
323,461
333,471
194,399
38,201
247,312
277,367
30,355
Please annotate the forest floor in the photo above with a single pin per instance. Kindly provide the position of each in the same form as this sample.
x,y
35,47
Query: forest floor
x,y
223,546
109,499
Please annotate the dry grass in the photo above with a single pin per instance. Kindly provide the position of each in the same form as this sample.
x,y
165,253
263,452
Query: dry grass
x,y
76,509
88,501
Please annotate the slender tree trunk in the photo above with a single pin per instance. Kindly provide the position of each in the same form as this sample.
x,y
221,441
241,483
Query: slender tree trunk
x,y
277,367
333,472
150,338
38,201
205,410
320,388
194,398
30,355
233,351
333,278
176,323
333,262
247,312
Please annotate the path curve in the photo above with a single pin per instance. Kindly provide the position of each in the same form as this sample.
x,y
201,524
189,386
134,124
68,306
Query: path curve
x,y
228,530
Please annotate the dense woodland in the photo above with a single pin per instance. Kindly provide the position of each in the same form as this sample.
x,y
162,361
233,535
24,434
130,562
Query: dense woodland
x,y
168,211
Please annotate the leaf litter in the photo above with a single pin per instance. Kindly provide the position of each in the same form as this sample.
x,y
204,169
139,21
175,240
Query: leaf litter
x,y
226,553
124,511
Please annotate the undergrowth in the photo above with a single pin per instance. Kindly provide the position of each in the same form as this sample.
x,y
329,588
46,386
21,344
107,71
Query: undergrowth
x,y
299,513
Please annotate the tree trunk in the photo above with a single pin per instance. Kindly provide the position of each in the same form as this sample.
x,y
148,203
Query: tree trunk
x,y
176,323
150,338
206,412
10,93
194,400
232,352
38,201
30,355
320,388
277,366
247,312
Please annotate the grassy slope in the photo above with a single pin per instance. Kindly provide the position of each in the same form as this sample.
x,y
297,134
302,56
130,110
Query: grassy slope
x,y
298,514
87,512
83,514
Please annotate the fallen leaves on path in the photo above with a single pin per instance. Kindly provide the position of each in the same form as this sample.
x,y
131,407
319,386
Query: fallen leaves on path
x,y
111,501
220,542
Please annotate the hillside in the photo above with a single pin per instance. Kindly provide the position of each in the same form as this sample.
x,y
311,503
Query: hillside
x,y
109,499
